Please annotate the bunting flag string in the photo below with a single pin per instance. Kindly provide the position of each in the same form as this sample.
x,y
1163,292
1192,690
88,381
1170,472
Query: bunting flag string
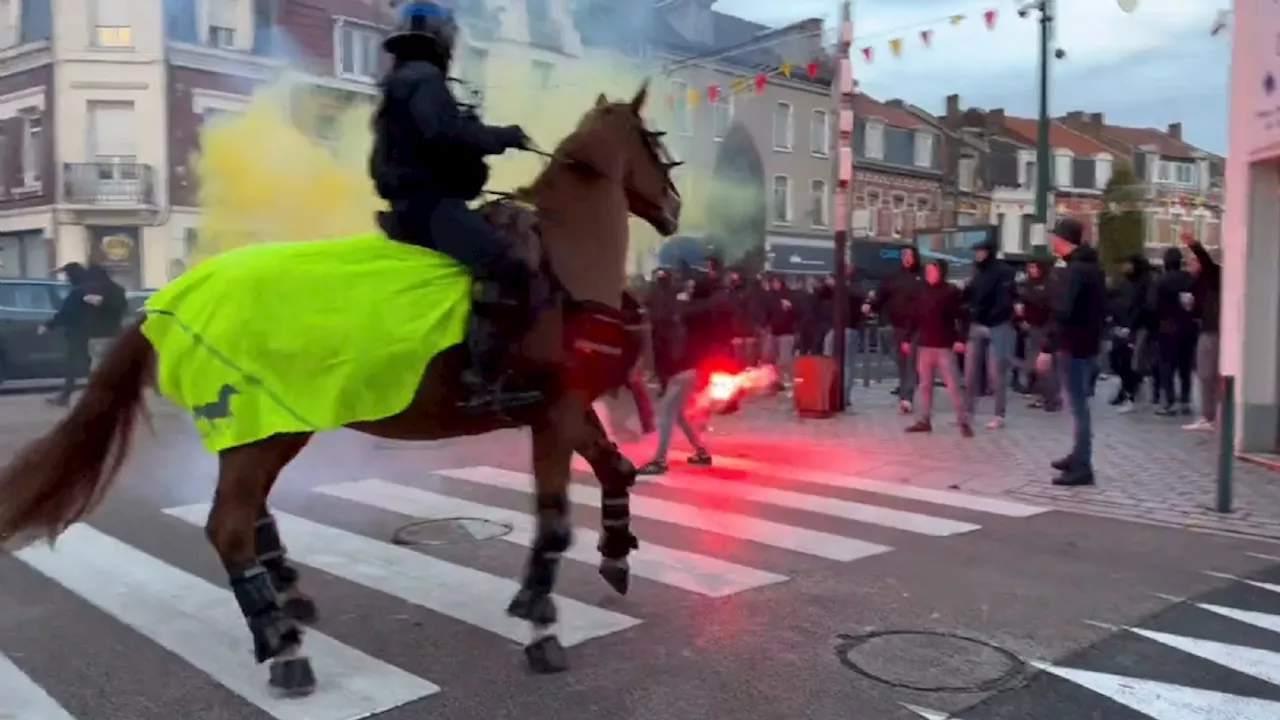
x,y
788,70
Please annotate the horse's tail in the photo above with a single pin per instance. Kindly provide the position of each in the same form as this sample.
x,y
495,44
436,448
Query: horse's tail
x,y
57,480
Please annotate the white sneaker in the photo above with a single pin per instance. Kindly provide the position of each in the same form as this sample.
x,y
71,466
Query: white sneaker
x,y
1199,425
904,406
996,423
1125,408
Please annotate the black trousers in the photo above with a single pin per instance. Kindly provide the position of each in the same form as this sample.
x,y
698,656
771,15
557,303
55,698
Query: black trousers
x,y
1121,361
447,225
1177,352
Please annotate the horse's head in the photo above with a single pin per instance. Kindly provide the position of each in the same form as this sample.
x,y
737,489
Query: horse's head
x,y
612,141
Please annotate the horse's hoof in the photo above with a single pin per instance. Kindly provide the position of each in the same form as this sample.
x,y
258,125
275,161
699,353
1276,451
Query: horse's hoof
x,y
536,608
301,608
293,677
618,575
547,656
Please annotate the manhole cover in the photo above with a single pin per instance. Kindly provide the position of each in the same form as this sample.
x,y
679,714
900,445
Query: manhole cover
x,y
930,661
449,531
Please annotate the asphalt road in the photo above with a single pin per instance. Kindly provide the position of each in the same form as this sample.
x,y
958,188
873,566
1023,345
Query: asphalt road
x,y
762,592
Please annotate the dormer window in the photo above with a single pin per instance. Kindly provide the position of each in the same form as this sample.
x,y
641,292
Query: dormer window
x,y
874,148
924,149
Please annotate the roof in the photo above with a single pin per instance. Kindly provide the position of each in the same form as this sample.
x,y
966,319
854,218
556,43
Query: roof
x,y
894,116
1137,137
1060,136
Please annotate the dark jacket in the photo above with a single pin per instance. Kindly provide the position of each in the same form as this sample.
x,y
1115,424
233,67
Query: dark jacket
x,y
1079,305
894,297
782,312
703,328
1206,286
991,291
937,318
1164,301
1037,306
1129,306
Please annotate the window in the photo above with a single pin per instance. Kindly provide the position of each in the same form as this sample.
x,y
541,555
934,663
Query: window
x,y
542,71
819,202
111,23
1030,177
113,144
8,28
875,141
358,51
32,149
1062,168
923,206
23,296
924,149
873,211
722,115
781,199
899,212
1184,173
681,110
783,132
222,23
966,173
820,133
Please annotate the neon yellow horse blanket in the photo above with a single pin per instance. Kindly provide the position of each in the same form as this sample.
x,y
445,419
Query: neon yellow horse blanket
x,y
304,336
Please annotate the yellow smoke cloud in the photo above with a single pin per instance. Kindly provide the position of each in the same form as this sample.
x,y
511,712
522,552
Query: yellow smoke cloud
x,y
265,177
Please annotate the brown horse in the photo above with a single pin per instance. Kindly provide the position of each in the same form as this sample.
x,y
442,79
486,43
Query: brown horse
x,y
610,166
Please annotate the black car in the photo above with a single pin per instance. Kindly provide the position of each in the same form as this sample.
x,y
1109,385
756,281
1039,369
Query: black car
x,y
25,305
137,299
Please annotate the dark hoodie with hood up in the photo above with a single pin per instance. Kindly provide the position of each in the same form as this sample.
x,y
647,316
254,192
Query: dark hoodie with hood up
x,y
1165,302
1129,308
1079,305
896,294
991,292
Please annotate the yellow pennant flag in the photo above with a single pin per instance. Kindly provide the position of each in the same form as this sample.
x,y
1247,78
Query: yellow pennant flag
x,y
693,98
739,84
896,46
785,70
957,19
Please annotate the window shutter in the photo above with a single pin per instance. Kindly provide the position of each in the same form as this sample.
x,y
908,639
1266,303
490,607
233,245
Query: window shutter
x,y
112,13
180,21
113,132
222,13
37,20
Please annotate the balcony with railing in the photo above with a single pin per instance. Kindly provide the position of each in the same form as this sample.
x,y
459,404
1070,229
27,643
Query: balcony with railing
x,y
109,182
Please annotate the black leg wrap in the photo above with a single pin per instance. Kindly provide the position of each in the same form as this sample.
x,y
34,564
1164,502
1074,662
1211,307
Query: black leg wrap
x,y
273,631
533,602
616,540
272,555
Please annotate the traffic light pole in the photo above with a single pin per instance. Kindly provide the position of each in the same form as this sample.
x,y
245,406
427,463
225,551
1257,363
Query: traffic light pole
x,y
844,190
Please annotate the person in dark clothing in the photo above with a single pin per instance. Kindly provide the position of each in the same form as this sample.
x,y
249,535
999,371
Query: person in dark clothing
x,y
664,318
852,325
638,322
935,325
783,319
1206,293
1034,311
990,297
427,162
89,317
742,311
1130,319
893,302
1079,306
1172,306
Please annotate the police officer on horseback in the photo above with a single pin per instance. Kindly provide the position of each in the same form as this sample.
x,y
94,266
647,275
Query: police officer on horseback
x,y
427,162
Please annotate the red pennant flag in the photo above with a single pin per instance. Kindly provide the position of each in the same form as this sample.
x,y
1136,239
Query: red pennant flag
x,y
713,92
926,36
867,53
813,69
990,18
761,79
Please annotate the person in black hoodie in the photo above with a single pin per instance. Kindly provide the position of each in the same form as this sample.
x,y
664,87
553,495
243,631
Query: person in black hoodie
x,y
1033,310
1079,306
893,303
990,296
89,317
935,327
1206,291
1129,319
1172,305
783,319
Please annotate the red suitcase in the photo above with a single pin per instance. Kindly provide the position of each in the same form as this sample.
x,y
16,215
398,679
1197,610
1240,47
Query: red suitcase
x,y
815,385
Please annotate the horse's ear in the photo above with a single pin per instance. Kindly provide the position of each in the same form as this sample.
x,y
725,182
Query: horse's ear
x,y
601,100
637,102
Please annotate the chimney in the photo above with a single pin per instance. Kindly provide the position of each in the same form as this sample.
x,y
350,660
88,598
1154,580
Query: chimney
x,y
894,103
1075,116
953,108
1097,119
1175,131
995,120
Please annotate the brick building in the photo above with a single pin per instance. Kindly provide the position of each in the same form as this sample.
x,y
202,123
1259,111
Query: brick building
x,y
898,171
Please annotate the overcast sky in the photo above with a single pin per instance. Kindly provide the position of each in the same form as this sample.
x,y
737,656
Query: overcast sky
x,y
1150,68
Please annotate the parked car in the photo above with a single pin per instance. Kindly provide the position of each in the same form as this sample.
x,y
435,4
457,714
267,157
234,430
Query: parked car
x,y
25,305
136,299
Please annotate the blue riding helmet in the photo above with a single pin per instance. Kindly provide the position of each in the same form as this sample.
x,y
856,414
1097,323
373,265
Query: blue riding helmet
x,y
422,20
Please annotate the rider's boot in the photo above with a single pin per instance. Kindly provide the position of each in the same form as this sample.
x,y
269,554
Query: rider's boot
x,y
486,379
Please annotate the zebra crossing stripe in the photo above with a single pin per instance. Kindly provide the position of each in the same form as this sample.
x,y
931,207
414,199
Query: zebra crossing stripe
x,y
1248,617
818,504
701,574
22,699
462,593
949,498
1262,664
1165,701
200,623
744,527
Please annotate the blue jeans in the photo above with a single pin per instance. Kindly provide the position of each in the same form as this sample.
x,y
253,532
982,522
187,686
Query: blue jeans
x,y
1077,375
995,345
671,413
851,348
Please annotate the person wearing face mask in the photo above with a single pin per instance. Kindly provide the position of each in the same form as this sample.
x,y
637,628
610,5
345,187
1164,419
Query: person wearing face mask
x,y
935,327
990,297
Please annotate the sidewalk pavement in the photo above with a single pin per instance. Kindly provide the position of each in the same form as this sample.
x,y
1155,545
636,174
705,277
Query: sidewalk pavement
x,y
1148,468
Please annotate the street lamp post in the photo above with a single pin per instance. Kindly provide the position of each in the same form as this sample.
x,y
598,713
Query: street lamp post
x,y
844,190
1044,157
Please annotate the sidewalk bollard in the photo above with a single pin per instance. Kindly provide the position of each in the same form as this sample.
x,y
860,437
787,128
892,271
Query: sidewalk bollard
x,y
1226,443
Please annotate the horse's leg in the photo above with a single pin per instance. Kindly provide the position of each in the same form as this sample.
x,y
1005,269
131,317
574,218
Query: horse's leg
x,y
553,441
273,556
244,476
616,475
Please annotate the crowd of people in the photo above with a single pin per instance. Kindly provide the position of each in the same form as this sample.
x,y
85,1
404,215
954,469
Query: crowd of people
x,y
1050,335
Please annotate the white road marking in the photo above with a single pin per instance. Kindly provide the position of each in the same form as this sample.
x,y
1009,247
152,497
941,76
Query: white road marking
x,y
1164,701
1262,664
22,699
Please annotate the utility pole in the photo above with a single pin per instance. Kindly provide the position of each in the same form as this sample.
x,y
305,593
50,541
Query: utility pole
x,y
1044,156
844,191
